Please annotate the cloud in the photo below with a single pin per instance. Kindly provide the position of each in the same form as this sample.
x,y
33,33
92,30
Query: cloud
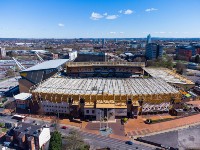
x,y
161,32
61,25
150,9
112,32
105,14
121,32
96,16
128,12
112,17
120,11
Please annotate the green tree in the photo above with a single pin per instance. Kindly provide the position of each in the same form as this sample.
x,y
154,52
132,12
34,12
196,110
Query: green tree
x,y
55,141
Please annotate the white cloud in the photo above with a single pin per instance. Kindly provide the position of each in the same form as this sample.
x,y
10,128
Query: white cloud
x,y
151,9
121,32
128,12
105,14
96,16
120,11
112,17
61,25
112,32
161,32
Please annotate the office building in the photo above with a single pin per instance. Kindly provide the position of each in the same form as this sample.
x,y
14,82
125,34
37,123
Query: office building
x,y
153,51
148,39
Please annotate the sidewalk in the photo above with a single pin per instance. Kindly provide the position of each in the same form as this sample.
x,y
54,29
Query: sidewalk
x,y
139,128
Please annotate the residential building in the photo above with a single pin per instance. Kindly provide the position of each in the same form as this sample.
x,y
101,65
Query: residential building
x,y
29,136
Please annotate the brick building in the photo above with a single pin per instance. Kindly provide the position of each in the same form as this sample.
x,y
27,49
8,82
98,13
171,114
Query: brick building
x,y
29,136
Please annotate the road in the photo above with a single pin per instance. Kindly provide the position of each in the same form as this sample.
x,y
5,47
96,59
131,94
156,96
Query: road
x,y
94,140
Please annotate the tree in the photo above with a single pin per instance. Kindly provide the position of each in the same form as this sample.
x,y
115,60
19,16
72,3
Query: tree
x,y
10,73
197,59
74,142
180,67
55,122
55,141
41,111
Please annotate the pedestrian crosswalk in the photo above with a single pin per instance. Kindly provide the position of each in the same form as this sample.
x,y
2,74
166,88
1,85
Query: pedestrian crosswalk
x,y
114,144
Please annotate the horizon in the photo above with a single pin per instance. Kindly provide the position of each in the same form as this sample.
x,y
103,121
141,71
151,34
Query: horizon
x,y
99,19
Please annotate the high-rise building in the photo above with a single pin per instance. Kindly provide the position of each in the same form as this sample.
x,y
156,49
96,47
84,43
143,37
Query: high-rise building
x,y
153,51
2,52
149,39
103,42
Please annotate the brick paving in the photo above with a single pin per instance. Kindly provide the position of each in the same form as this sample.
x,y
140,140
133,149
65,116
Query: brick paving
x,y
117,128
137,127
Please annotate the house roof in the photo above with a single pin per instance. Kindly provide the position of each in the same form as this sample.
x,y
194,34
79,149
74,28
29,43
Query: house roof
x,y
26,128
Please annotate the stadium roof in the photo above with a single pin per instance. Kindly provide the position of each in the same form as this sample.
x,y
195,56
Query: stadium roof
x,y
167,75
51,64
104,86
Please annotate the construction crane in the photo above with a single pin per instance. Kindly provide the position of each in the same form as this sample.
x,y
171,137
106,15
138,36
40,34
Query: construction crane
x,y
40,58
21,67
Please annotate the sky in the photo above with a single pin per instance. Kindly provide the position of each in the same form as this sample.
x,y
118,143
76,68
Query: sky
x,y
99,18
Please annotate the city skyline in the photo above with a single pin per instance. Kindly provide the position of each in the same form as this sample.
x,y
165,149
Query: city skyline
x,y
99,19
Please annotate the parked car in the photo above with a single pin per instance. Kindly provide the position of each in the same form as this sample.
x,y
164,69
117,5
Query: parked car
x,y
64,127
129,142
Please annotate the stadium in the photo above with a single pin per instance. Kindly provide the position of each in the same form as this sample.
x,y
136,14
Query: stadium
x,y
99,90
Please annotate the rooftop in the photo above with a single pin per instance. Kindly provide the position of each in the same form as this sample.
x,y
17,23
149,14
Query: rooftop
x,y
132,64
7,84
104,86
167,75
27,128
51,64
23,96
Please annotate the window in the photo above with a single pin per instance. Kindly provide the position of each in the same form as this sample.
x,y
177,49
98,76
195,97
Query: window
x,y
93,111
87,111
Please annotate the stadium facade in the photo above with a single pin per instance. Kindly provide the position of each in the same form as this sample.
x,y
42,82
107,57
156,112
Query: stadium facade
x,y
108,90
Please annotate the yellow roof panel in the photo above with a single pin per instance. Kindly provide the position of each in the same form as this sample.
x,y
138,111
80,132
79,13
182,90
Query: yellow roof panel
x,y
105,105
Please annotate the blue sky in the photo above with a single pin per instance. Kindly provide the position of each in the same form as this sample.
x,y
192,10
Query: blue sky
x,y
99,18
